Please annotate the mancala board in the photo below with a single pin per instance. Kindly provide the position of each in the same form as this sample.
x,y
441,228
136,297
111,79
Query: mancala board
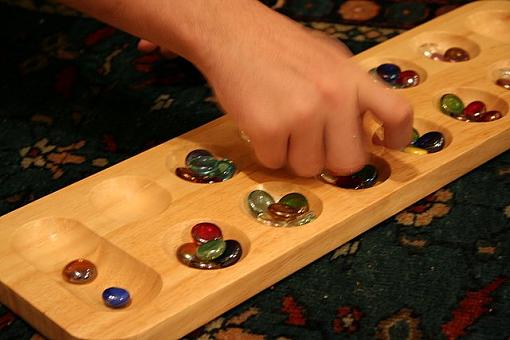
x,y
131,218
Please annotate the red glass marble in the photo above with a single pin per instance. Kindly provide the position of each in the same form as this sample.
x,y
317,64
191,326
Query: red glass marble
x,y
284,212
79,271
490,116
504,82
456,54
408,78
474,110
205,232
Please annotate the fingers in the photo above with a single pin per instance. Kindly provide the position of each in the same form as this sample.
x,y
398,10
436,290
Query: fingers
x,y
146,46
345,151
306,147
269,143
394,112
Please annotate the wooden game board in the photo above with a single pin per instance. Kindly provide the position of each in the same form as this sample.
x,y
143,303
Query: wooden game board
x,y
130,219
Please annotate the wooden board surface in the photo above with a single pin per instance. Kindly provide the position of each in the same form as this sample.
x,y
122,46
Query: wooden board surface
x,y
130,219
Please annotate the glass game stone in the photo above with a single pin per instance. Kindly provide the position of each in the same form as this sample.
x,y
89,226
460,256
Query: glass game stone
x,y
205,232
429,49
196,154
186,252
431,141
210,250
295,200
365,178
474,110
415,136
388,72
203,166
231,255
504,82
225,169
259,201
451,105
304,218
79,271
408,78
115,297
490,116
188,175
456,54
414,150
281,211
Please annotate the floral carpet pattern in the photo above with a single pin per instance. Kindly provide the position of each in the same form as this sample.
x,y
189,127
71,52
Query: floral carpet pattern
x,y
76,97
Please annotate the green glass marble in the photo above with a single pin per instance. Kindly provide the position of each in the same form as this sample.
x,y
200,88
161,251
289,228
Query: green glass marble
x,y
451,105
258,201
304,219
211,250
415,136
295,200
225,169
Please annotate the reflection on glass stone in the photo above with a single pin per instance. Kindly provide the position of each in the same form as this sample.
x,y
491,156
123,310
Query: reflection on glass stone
x,y
80,271
115,297
451,104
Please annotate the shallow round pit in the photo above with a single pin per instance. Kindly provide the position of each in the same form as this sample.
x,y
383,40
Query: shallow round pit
x,y
180,234
48,244
130,198
422,126
468,95
494,24
279,189
442,41
404,65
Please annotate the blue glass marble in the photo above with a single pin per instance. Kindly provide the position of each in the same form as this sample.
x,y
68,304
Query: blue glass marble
x,y
203,166
431,141
388,72
115,297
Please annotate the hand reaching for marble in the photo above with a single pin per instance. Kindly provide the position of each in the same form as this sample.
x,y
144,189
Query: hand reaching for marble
x,y
296,94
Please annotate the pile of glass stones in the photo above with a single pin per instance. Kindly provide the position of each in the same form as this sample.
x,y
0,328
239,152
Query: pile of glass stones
x,y
430,142
81,271
209,250
291,210
392,75
475,111
503,78
203,167
363,179
453,54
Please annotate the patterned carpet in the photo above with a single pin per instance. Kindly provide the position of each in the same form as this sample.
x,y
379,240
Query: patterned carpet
x,y
76,97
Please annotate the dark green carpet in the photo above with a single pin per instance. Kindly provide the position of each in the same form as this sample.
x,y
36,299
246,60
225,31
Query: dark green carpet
x,y
77,97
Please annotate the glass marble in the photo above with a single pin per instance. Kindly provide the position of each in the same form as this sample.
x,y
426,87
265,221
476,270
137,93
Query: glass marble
x,y
205,232
415,136
79,271
451,105
474,110
408,78
490,116
328,177
281,211
456,54
115,297
414,150
258,201
233,252
187,252
225,169
304,218
365,178
295,200
428,49
437,57
203,166
210,250
388,72
188,175
431,141
196,154
504,82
